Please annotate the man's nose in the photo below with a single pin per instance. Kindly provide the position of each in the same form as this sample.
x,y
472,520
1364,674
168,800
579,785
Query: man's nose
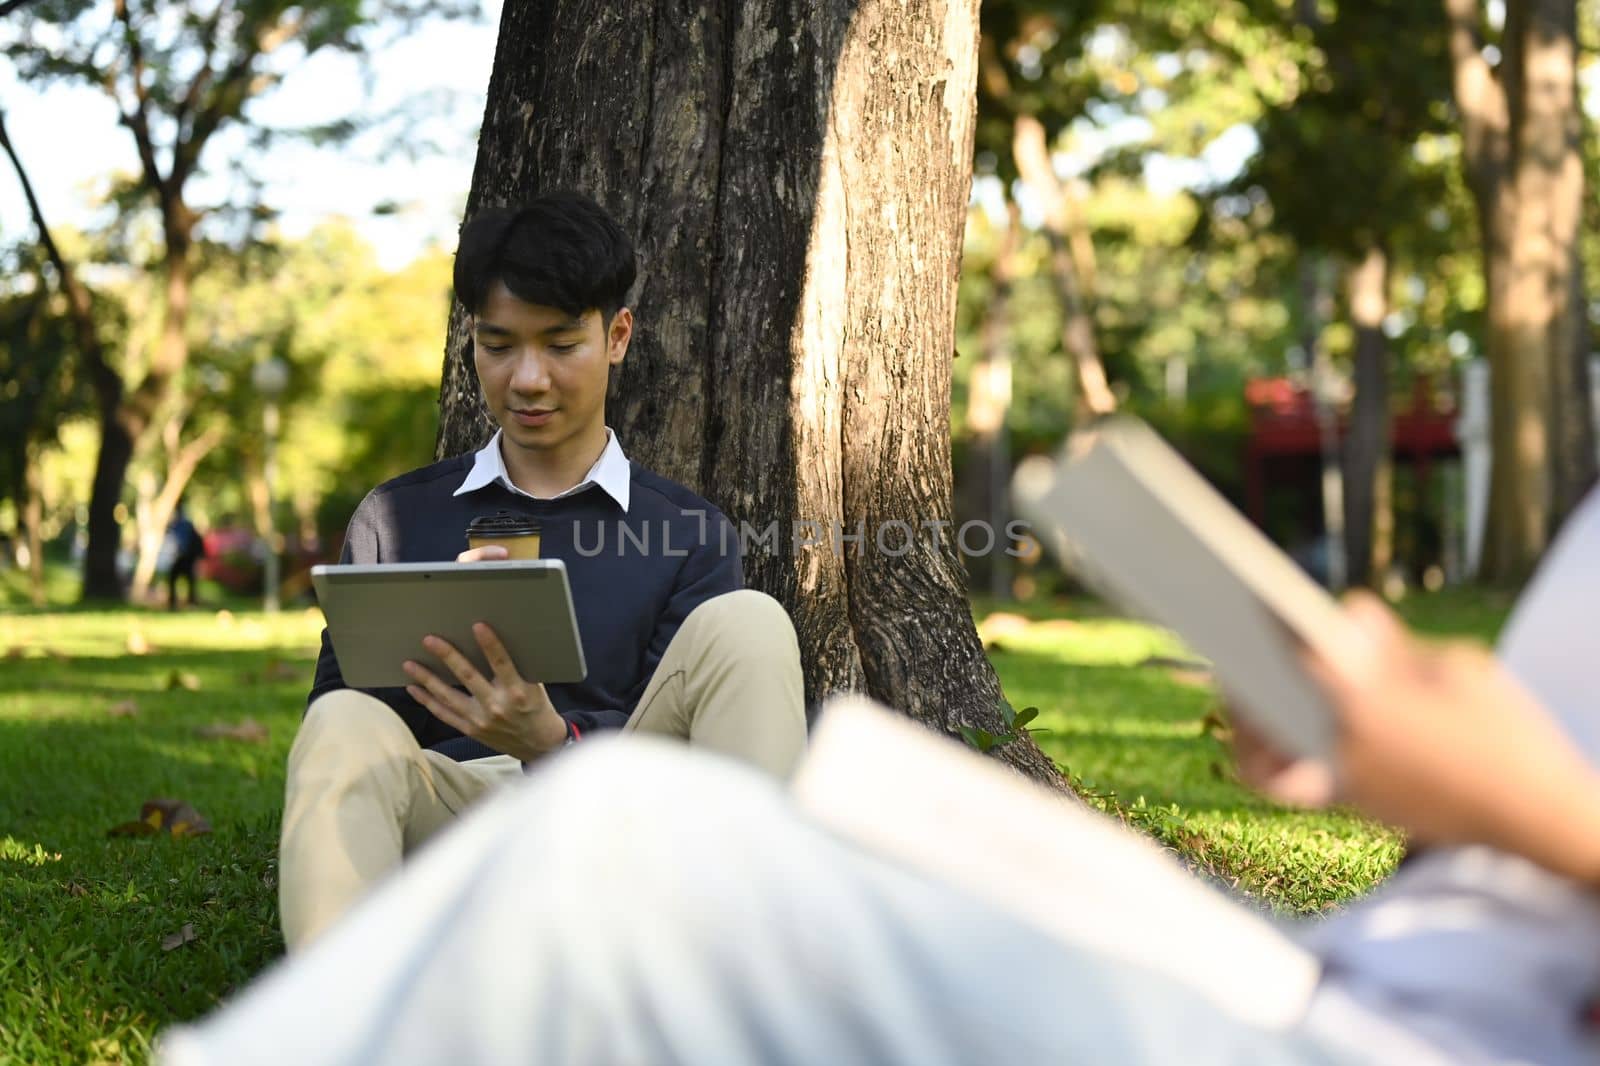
x,y
530,374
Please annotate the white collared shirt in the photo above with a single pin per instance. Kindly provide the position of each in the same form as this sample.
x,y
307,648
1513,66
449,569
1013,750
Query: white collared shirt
x,y
611,472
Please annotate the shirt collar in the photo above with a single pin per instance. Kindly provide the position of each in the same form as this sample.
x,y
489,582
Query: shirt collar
x,y
610,473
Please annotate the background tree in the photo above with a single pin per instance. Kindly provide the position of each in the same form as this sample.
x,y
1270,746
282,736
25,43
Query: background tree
x,y
40,391
1521,131
796,176
178,74
1337,162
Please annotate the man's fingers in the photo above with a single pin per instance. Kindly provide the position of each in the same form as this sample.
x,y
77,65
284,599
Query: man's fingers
x,y
439,709
461,666
436,686
505,671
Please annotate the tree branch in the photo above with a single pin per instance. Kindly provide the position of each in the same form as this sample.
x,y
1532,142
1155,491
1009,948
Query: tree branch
x,y
228,96
202,78
139,121
77,296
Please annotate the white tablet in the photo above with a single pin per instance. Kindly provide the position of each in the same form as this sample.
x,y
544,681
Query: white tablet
x,y
378,614
1139,523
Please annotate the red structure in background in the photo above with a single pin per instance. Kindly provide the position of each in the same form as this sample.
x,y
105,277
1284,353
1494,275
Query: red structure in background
x,y
1285,439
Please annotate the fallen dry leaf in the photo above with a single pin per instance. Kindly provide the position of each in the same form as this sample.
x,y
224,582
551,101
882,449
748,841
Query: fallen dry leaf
x,y
174,816
76,889
183,679
137,644
247,730
58,656
123,709
15,652
180,938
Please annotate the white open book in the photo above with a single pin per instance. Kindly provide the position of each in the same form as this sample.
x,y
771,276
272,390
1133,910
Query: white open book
x,y
873,776
1137,522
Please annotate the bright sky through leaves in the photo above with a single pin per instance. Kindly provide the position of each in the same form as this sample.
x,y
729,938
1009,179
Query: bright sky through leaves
x,y
69,141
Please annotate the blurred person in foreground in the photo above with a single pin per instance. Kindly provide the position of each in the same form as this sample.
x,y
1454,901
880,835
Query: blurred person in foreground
x,y
674,644
698,916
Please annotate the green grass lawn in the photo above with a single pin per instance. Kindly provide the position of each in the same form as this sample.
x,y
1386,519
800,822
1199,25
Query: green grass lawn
x,y
84,976
94,958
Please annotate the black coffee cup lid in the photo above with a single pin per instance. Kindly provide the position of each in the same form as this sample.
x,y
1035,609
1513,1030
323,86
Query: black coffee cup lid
x,y
502,524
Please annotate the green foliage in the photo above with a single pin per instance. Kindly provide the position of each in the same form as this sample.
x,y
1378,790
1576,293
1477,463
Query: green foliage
x,y
40,386
1014,725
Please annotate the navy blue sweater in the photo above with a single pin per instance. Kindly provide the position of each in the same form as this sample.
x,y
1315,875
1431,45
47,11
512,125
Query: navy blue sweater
x,y
635,577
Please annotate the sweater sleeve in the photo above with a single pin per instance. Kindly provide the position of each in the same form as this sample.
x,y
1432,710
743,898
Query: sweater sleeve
x,y
361,545
711,568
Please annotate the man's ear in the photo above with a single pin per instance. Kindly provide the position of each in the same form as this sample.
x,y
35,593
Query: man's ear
x,y
618,335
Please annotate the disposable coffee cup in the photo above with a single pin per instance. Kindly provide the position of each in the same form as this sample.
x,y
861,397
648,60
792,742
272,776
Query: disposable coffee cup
x,y
517,534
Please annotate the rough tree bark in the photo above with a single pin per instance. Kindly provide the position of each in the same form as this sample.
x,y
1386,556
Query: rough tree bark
x,y
1367,466
796,177
1521,130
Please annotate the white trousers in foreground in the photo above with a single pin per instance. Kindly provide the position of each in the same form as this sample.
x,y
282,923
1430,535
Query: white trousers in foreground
x,y
643,903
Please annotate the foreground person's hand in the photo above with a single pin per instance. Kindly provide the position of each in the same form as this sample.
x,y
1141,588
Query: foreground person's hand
x,y
1286,779
1444,743
505,712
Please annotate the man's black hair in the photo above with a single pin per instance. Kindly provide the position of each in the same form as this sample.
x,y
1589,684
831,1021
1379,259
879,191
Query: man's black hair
x,y
561,250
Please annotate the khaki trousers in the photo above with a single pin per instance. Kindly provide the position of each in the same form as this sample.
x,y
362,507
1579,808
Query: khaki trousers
x,y
361,794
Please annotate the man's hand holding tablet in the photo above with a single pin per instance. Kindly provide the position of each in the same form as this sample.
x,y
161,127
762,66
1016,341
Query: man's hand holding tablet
x,y
505,712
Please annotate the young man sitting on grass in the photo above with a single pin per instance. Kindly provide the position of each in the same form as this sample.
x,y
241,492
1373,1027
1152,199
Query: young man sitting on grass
x,y
675,646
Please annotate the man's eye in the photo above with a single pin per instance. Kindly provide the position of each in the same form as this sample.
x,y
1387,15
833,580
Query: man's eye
x,y
497,349
563,348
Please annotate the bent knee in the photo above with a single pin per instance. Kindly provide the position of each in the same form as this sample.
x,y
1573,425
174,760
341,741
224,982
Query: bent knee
x,y
744,611
346,719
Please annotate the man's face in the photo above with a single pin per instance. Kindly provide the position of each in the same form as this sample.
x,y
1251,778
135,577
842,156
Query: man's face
x,y
544,371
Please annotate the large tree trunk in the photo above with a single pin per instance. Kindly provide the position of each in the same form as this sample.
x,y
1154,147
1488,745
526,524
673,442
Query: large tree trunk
x,y
101,578
1521,133
1367,439
796,176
